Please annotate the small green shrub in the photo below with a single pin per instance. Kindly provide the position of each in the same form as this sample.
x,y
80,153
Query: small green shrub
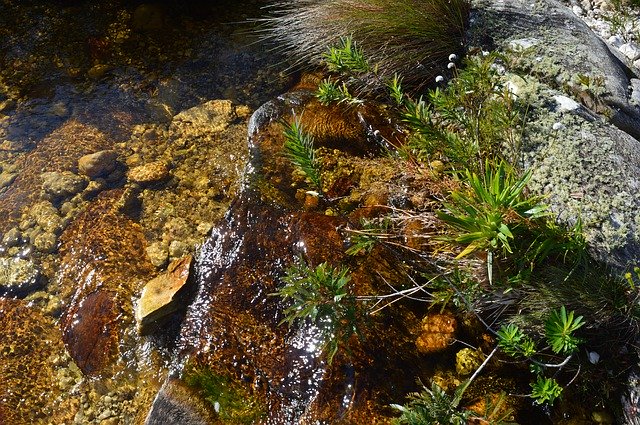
x,y
472,119
347,58
298,147
322,295
432,406
545,390
330,91
559,332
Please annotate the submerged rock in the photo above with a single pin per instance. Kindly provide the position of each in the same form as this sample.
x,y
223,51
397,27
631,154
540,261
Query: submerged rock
x,y
232,327
58,152
103,264
29,389
98,164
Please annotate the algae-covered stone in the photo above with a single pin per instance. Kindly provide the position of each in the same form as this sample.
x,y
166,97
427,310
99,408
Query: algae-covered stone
x,y
63,184
152,172
468,361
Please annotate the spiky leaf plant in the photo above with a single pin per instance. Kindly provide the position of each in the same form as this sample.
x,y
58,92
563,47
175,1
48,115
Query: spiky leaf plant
x,y
298,147
492,210
559,329
321,295
413,37
431,406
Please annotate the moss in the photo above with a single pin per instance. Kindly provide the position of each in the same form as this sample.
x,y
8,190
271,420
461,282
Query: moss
x,y
231,400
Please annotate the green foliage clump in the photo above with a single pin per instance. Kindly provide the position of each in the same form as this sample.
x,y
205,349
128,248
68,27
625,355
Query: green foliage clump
x,y
322,296
330,91
346,58
432,406
298,147
559,330
230,400
559,333
371,233
473,119
545,390
494,208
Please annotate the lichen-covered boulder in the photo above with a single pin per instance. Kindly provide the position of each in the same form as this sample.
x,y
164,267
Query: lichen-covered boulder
x,y
581,141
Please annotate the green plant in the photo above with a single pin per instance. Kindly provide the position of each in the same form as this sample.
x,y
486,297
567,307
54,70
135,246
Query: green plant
x,y
322,296
559,329
347,58
545,390
369,235
330,91
491,210
298,147
474,118
432,406
514,342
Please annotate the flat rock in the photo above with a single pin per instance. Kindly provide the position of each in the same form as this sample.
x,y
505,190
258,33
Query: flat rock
x,y
161,296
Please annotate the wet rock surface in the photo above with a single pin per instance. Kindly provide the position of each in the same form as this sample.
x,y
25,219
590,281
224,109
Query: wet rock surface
x,y
231,328
164,295
103,264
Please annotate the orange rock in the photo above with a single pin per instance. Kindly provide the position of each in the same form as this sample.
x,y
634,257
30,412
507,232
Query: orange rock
x,y
438,332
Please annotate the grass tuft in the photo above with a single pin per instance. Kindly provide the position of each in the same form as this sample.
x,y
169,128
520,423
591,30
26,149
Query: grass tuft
x,y
413,38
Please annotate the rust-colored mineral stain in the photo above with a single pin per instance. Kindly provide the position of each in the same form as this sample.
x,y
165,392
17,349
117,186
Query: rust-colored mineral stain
x,y
90,332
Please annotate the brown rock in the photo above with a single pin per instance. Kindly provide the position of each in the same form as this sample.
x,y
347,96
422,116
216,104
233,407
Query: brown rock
x,y
161,296
103,265
98,164
149,173
91,331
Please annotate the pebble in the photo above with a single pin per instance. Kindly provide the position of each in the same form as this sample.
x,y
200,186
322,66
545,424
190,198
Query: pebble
x,y
12,238
98,163
149,173
46,242
616,41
